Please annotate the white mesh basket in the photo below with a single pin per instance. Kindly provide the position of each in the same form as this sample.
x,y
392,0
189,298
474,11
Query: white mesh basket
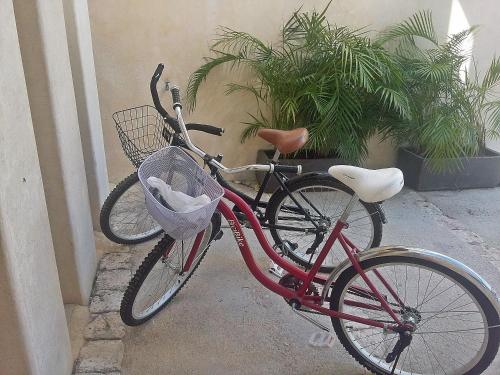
x,y
182,173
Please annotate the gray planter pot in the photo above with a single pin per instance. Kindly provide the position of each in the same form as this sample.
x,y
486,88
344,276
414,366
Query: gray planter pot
x,y
308,165
477,172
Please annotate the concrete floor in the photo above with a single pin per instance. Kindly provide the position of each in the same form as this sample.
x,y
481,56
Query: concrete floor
x,y
225,322
479,209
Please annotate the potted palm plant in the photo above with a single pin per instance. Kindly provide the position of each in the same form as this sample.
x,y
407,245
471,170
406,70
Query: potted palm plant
x,y
452,111
329,79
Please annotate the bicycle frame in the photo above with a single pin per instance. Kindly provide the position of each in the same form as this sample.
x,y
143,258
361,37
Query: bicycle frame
x,y
256,202
299,296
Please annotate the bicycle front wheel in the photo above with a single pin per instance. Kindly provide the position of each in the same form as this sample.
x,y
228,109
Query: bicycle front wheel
x,y
160,276
456,326
324,199
124,217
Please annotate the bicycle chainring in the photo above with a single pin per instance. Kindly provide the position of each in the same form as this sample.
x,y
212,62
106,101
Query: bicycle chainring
x,y
291,282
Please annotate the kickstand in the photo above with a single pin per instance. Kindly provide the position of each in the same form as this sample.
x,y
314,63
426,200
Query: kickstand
x,y
403,341
395,363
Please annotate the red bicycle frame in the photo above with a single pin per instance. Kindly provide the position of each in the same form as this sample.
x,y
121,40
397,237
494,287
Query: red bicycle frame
x,y
312,302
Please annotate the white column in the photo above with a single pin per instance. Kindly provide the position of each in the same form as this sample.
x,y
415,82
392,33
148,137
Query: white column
x,y
44,51
76,16
33,333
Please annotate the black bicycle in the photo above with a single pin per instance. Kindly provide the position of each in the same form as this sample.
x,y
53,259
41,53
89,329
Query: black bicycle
x,y
299,214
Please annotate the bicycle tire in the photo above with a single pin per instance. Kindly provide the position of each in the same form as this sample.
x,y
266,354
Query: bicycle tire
x,y
317,181
488,311
144,270
122,237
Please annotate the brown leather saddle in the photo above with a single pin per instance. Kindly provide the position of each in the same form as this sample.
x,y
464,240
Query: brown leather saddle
x,y
286,141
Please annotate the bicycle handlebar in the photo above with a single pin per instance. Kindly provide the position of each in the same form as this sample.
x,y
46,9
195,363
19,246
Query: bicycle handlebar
x,y
156,100
169,119
296,169
205,128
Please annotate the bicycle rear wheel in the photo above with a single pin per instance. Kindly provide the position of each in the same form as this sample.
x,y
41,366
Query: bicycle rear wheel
x,y
324,198
456,325
124,217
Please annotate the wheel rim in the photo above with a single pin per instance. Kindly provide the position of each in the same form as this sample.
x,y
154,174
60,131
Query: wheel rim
x,y
129,218
330,202
447,318
165,279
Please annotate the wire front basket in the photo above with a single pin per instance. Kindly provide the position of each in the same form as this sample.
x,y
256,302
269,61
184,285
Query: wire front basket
x,y
142,132
182,173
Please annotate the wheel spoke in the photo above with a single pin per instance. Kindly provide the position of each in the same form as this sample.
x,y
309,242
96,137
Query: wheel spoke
x,y
324,204
160,276
128,218
442,310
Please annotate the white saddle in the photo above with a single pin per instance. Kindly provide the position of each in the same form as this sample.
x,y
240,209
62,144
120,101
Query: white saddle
x,y
370,185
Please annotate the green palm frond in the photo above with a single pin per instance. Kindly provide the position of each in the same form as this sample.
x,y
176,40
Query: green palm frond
x,y
197,77
395,99
492,110
303,28
289,108
439,139
456,41
491,79
434,71
259,93
418,25
253,127
240,43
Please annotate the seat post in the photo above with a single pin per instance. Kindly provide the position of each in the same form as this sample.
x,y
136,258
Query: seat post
x,y
276,156
349,207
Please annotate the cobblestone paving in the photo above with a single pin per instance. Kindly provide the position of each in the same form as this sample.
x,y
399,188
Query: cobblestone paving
x,y
103,350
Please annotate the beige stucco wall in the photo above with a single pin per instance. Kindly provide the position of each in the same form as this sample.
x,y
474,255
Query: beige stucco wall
x,y
76,17
131,37
44,51
33,333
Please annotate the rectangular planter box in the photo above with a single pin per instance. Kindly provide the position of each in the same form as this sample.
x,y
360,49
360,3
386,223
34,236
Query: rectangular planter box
x,y
476,172
308,165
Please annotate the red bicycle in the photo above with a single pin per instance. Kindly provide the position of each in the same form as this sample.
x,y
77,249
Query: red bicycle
x,y
396,310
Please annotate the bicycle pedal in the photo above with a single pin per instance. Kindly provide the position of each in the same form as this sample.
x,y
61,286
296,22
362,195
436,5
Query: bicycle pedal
x,y
322,339
276,270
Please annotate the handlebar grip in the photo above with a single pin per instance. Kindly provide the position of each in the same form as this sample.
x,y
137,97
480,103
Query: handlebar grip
x,y
206,129
296,169
158,72
176,97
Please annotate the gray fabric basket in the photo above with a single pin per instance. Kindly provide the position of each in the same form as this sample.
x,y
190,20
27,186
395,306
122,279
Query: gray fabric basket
x,y
182,173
